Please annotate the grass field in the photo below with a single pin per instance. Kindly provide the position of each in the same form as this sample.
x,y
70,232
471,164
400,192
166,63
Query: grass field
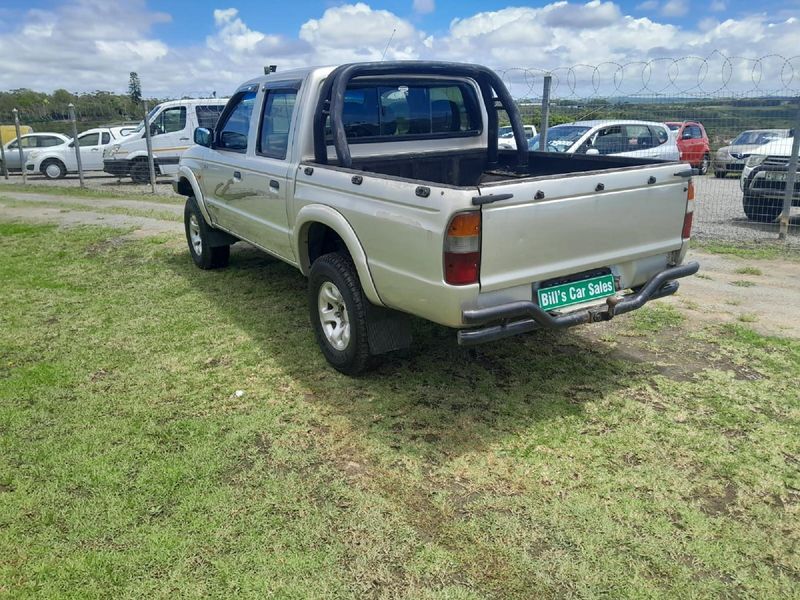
x,y
169,432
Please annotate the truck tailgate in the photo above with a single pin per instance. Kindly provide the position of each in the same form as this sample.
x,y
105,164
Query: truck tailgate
x,y
579,222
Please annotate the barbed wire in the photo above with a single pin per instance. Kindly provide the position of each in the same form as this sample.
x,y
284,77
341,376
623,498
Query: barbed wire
x,y
693,76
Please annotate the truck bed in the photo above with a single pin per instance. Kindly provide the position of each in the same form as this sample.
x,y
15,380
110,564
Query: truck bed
x,y
469,168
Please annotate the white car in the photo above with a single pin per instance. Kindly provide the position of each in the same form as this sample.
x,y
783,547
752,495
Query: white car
x,y
56,161
505,136
29,142
172,126
640,139
764,179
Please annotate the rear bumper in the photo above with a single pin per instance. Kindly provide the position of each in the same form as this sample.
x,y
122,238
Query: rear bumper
x,y
523,316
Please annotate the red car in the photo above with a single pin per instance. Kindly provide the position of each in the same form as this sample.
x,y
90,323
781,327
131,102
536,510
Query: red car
x,y
692,143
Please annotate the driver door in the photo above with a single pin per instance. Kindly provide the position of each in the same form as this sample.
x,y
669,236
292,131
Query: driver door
x,y
168,135
92,150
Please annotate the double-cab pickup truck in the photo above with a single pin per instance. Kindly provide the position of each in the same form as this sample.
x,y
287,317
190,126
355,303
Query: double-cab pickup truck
x,y
383,183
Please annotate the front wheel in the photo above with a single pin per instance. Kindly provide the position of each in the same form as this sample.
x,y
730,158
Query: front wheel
x,y
338,313
198,236
54,169
762,210
140,172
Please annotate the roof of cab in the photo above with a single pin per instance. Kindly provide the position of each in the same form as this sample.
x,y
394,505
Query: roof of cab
x,y
288,75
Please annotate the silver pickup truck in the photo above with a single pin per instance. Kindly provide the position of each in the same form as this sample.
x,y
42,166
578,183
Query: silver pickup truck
x,y
384,184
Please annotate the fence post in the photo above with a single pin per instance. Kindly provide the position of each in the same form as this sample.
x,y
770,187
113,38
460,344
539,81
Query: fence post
x,y
548,80
3,158
149,148
791,178
76,142
19,146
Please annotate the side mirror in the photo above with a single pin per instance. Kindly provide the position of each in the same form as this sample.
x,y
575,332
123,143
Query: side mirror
x,y
203,137
593,151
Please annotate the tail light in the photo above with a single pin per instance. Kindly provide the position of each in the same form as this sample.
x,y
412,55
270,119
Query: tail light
x,y
462,249
686,233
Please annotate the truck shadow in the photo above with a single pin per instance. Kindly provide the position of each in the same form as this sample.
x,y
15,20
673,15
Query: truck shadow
x,y
436,397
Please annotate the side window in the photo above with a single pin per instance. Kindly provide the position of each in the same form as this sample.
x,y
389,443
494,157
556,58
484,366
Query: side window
x,y
169,120
692,132
660,135
48,140
610,140
233,131
273,138
106,138
639,137
207,115
25,142
90,139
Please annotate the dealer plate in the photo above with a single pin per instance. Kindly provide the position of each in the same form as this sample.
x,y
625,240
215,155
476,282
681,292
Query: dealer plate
x,y
775,176
576,292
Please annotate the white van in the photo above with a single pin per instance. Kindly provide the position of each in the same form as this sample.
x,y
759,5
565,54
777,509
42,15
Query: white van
x,y
172,125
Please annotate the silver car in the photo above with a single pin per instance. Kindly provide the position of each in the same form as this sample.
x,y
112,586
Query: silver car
x,y
731,159
29,142
640,139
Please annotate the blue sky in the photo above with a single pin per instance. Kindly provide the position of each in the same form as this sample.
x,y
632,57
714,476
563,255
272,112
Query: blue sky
x,y
183,46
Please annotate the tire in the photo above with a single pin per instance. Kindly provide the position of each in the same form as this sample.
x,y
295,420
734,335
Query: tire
x,y
140,171
198,237
720,174
762,210
333,286
704,164
53,169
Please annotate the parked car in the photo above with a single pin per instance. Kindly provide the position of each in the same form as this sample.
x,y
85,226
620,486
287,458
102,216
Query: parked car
x,y
171,127
731,158
763,181
382,182
506,136
644,139
56,161
29,143
693,144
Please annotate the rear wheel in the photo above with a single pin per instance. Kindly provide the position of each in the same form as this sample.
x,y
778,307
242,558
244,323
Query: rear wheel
x,y
338,312
140,172
704,164
54,169
198,236
762,210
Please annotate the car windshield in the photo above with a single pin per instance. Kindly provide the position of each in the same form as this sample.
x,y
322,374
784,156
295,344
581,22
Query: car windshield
x,y
140,126
755,138
560,138
674,126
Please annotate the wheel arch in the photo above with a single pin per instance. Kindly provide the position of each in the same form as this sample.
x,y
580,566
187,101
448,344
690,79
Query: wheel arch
x,y
315,220
186,185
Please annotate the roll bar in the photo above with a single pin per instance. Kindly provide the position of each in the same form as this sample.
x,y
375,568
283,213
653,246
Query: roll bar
x,y
331,102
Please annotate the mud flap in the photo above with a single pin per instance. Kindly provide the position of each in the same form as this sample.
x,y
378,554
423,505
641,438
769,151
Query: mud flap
x,y
387,330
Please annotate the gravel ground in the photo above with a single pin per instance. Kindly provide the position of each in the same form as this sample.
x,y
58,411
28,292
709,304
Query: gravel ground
x,y
718,216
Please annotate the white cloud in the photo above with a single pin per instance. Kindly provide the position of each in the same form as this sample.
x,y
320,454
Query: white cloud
x,y
424,7
648,5
94,44
675,8
718,6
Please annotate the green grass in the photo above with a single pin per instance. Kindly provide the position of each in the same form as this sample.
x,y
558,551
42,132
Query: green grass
x,y
749,271
78,192
764,251
548,466
87,204
744,283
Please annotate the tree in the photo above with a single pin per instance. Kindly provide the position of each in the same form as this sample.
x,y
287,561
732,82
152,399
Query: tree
x,y
135,88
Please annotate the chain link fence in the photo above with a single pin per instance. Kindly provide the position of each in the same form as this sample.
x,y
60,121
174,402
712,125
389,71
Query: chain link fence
x,y
731,118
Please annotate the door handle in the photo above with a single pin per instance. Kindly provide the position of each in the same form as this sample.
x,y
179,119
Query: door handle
x,y
237,175
274,185
184,139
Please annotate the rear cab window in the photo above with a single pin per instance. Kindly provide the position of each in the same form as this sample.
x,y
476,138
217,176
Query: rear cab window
x,y
413,109
276,120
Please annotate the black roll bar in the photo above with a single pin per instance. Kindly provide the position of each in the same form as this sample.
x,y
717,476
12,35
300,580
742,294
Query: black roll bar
x,y
331,102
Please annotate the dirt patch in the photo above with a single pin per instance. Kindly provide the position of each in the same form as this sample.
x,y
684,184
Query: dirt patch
x,y
715,505
143,226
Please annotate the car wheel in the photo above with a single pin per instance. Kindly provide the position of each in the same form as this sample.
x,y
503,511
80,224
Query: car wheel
x,y
140,171
762,210
54,169
720,174
704,164
338,312
198,236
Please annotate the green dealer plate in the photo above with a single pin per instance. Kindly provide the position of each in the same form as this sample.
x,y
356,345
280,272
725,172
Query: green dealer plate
x,y
576,292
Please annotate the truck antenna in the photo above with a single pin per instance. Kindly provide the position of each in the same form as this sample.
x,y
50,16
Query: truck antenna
x,y
391,37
